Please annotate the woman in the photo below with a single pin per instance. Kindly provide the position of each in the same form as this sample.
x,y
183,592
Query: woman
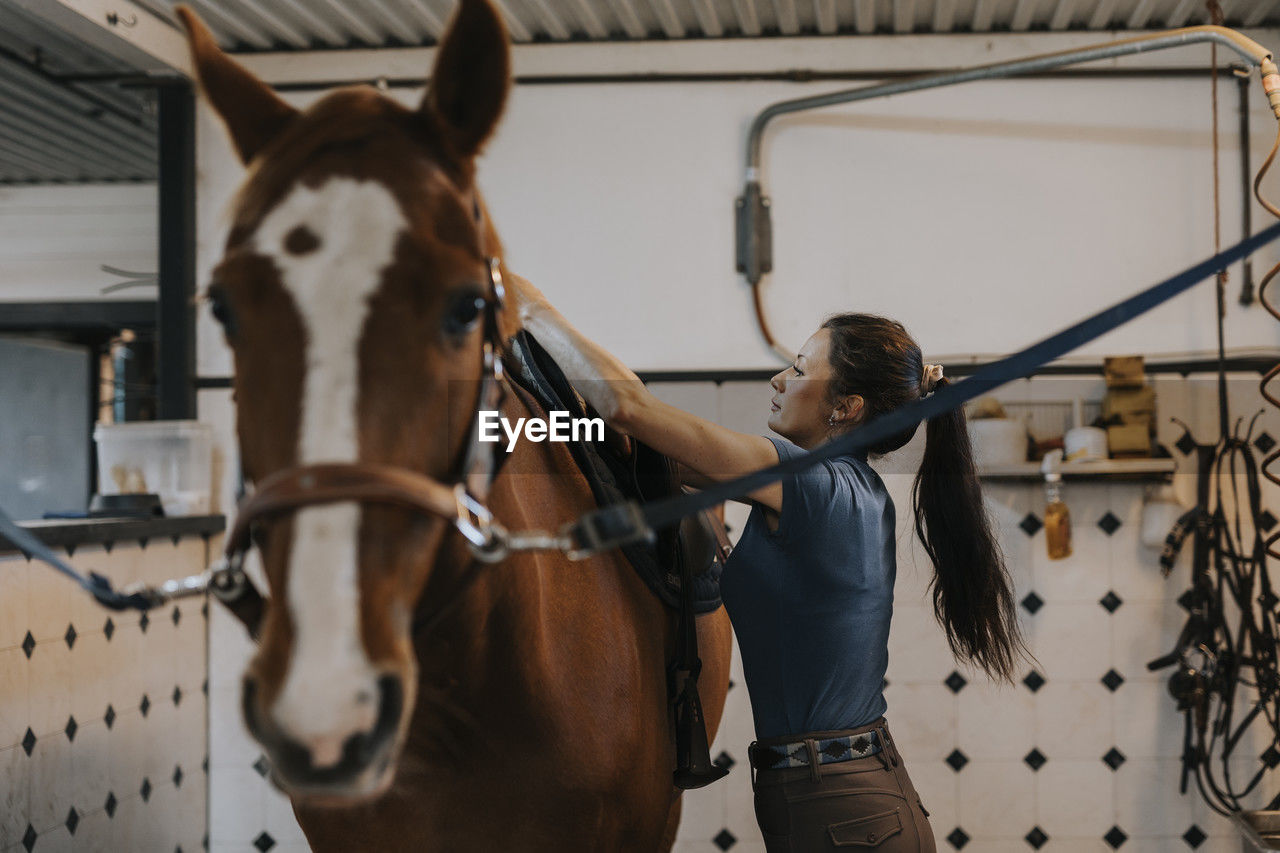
x,y
809,586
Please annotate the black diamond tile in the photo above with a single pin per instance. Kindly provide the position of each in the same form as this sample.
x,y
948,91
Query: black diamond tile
x,y
110,805
958,838
142,542
1114,758
204,765
145,705
1036,838
1194,836
1113,680
176,616
1032,603
144,622
1115,837
1264,442
1034,681
1030,524
145,790
1186,444
177,776
107,546
71,728
71,549
1035,759
1271,757
955,682
28,645
957,760
29,838
73,820
109,628
28,742
1109,523
724,839
262,766
731,683
70,636
264,842
1111,602
1267,521
110,717
724,760
177,695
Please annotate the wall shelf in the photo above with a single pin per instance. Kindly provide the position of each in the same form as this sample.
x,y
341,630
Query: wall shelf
x,y
1146,470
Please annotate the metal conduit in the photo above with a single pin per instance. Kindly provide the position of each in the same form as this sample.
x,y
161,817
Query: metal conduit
x,y
753,226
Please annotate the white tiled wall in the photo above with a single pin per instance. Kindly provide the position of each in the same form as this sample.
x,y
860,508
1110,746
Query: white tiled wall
x,y
103,724
995,801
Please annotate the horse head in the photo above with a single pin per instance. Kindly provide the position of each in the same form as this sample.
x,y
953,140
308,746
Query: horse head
x,y
351,290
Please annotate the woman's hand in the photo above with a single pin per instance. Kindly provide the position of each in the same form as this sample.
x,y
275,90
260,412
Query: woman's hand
x,y
527,298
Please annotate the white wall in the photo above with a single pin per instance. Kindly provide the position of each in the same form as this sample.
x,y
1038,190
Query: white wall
x,y
983,216
53,239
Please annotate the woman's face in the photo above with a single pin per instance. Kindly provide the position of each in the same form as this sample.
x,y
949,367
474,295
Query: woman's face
x,y
799,407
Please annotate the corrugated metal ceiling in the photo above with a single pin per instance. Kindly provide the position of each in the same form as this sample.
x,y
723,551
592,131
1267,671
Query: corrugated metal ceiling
x,y
249,25
70,114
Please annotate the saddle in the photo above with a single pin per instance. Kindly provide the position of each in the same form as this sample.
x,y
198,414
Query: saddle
x,y
682,566
620,469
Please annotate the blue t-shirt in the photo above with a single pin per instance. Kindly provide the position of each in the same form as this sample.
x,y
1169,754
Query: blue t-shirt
x,y
810,602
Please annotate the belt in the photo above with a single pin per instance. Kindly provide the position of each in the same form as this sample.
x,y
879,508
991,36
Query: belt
x,y
827,751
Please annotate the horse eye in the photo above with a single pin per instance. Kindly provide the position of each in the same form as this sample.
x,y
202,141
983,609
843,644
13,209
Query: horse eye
x,y
464,310
222,311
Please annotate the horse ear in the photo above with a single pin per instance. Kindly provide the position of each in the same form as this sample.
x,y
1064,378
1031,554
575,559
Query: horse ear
x,y
252,111
471,77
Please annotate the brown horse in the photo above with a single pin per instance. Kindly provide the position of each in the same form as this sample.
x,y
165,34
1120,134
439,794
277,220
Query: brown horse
x,y
411,698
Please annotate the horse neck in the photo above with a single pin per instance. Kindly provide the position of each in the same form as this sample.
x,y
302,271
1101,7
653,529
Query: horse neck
x,y
539,487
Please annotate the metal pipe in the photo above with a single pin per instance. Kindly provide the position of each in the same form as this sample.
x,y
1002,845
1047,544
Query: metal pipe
x,y
1246,194
753,224
1252,52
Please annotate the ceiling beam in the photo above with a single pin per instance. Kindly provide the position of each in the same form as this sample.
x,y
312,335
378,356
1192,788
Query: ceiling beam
x,y
119,28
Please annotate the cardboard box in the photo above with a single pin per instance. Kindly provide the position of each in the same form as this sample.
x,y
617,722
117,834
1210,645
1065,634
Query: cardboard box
x,y
1129,441
1131,405
1124,371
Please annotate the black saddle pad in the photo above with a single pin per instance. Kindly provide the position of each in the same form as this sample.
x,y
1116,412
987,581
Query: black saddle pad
x,y
645,475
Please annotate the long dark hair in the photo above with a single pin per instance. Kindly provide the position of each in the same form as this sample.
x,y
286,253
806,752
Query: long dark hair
x,y
876,358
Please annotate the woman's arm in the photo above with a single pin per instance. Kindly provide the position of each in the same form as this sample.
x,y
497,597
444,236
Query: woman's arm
x,y
708,449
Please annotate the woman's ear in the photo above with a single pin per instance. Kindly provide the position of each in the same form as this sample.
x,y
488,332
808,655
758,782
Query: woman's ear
x,y
850,409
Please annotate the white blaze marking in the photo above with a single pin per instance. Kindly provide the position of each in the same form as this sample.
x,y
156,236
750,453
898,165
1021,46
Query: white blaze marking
x,y
357,224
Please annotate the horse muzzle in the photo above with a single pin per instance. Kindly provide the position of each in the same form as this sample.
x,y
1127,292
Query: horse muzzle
x,y
363,769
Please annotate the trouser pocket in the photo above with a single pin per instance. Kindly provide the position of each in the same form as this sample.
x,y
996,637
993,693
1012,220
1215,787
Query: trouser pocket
x,y
866,832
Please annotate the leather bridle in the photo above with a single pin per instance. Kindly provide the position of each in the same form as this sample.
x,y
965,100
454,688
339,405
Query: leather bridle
x,y
460,502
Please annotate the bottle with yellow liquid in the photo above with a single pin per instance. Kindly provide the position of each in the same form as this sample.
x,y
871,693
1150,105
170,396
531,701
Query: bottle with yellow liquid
x,y
1057,518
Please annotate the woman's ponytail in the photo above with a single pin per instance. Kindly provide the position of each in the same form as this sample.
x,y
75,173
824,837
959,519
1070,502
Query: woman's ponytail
x,y
972,590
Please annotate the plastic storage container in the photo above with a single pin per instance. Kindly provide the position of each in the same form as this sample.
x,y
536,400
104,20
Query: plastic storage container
x,y
169,458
